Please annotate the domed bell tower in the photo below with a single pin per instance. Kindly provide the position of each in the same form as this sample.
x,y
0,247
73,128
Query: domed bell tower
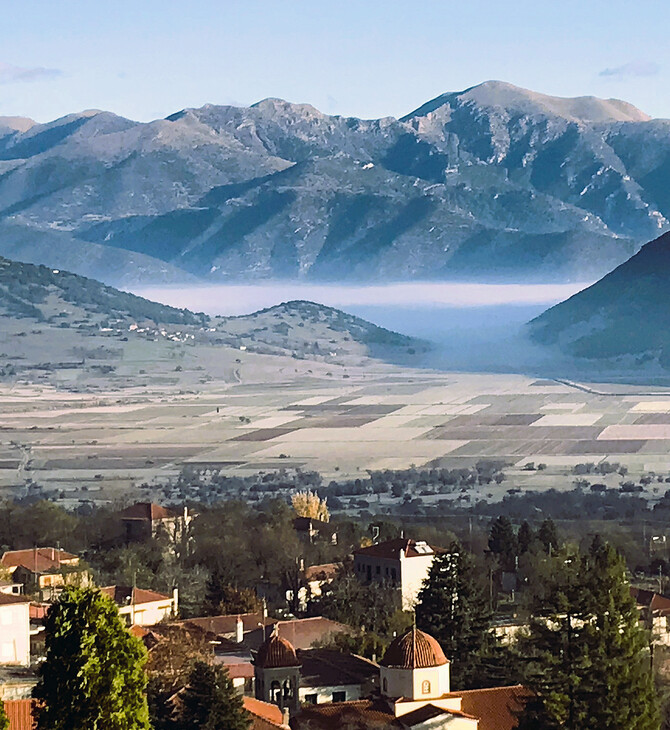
x,y
277,673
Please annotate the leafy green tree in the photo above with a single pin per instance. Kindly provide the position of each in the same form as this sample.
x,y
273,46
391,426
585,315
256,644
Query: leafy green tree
x,y
503,542
210,701
4,720
367,608
548,536
589,667
93,675
222,598
453,608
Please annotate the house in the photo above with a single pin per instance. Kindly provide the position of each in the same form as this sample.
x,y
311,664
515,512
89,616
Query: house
x,y
44,570
145,520
327,675
311,530
232,627
10,587
414,692
654,610
138,606
302,633
401,563
313,579
14,630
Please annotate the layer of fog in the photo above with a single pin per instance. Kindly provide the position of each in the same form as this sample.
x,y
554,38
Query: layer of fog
x,y
474,327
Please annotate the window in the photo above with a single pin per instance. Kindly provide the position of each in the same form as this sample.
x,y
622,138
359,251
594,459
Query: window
x,y
378,570
339,696
425,687
275,692
392,573
310,699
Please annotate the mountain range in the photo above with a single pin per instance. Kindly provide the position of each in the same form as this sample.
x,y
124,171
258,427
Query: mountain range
x,y
623,319
495,182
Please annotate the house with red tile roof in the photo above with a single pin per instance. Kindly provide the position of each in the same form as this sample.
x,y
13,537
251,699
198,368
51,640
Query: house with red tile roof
x,y
44,570
145,520
138,606
654,609
400,562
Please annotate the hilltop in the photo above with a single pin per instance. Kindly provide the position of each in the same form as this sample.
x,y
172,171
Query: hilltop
x,y
494,182
57,325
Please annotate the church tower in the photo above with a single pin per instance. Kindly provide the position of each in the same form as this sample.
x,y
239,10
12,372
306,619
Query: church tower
x,y
277,673
414,668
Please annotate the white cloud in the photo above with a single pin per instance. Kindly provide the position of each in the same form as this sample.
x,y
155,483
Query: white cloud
x,y
10,74
633,68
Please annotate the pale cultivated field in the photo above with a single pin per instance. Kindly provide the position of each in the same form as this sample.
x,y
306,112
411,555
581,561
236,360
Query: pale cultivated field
x,y
103,445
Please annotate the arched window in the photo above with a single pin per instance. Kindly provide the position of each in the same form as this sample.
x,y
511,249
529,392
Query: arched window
x,y
275,693
425,687
288,689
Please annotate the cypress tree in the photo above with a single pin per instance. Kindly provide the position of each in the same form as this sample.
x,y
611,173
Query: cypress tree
x,y
525,537
502,542
589,666
548,536
93,675
210,701
453,608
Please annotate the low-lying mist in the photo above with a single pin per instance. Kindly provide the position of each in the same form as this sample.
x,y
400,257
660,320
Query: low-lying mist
x,y
476,327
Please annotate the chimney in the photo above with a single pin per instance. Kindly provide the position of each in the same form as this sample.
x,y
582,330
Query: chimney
x,y
239,630
302,565
285,716
265,608
175,602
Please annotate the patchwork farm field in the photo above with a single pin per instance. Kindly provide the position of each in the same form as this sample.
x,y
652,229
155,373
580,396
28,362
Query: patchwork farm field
x,y
105,446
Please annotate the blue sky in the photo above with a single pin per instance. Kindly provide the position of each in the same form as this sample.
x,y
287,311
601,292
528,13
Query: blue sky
x,y
146,59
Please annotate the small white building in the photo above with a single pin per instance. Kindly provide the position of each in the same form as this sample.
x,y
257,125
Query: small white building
x,y
401,562
139,607
14,630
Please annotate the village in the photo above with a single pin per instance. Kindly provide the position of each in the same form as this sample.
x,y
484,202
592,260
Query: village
x,y
292,666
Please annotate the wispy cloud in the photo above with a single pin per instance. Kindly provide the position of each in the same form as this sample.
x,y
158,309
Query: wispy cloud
x,y
633,68
10,74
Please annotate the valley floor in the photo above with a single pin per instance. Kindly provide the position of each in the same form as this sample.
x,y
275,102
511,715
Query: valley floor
x,y
103,445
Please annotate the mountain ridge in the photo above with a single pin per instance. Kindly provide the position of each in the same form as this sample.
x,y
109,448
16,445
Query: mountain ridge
x,y
491,182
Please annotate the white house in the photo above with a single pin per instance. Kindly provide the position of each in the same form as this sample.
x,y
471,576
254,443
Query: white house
x,y
14,630
401,562
139,607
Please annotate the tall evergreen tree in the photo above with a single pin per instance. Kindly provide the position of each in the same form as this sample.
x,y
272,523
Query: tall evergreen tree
x,y
525,537
589,668
548,536
210,701
93,676
453,608
503,543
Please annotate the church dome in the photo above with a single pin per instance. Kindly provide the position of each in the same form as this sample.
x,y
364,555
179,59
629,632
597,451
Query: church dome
x,y
276,652
414,650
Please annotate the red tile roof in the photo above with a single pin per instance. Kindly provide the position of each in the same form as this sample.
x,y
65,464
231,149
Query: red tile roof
x,y
263,709
651,600
127,595
414,650
327,571
497,707
358,714
37,560
276,652
227,624
303,633
148,511
391,549
20,714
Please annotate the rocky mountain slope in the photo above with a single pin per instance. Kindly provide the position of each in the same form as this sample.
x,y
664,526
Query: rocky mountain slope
x,y
624,317
492,182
